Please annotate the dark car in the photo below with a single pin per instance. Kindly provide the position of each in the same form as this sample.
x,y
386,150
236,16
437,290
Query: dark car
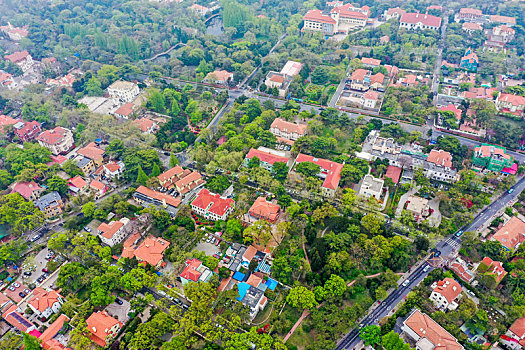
x,y
177,301
27,273
22,294
118,301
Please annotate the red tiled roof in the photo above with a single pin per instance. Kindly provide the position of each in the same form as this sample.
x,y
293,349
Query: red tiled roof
x,y
47,337
176,171
109,230
17,56
5,76
262,208
77,182
112,167
97,185
266,157
348,10
221,75
91,151
278,78
254,280
52,137
26,188
190,271
334,169
5,120
471,57
99,324
515,100
218,206
370,61
495,268
511,234
189,182
470,11
518,327
126,109
318,16
42,299
461,272
250,253
425,327
13,320
371,95
440,157
151,250
394,173
359,74
487,151
144,124
449,288
422,18
377,78
503,19
286,126
472,26
453,109
174,202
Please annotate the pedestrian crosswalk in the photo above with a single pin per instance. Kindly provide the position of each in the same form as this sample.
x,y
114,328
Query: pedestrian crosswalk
x,y
451,242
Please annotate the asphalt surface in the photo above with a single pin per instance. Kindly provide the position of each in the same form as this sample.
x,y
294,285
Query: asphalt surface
x,y
446,247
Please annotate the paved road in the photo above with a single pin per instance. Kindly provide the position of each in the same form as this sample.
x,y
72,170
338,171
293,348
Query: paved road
x,y
446,247
437,71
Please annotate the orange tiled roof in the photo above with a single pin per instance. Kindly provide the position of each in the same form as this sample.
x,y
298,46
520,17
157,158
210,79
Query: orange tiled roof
x,y
219,205
262,208
511,234
286,126
174,202
99,324
47,337
108,230
371,61
440,157
144,123
176,171
359,74
332,169
449,288
151,250
78,182
91,151
42,299
254,280
518,327
250,253
426,327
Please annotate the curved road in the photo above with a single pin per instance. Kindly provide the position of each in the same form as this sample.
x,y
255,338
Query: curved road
x,y
446,247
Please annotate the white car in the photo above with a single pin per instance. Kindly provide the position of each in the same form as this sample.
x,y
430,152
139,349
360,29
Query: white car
x,y
406,283
426,268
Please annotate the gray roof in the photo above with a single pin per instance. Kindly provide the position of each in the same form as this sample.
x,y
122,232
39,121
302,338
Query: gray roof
x,y
252,297
46,200
83,161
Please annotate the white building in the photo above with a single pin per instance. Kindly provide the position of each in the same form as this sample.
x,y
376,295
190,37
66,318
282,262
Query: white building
x,y
419,21
371,187
124,91
58,140
22,59
212,206
113,233
428,334
45,303
446,293
287,130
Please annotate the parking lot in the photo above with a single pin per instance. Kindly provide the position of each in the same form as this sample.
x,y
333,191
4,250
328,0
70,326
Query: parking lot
x,y
35,266
120,312
208,248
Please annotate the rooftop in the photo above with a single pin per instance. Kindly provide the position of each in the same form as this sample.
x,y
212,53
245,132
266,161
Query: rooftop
x,y
109,230
42,299
151,250
262,208
25,189
289,127
422,18
440,157
126,109
266,157
162,197
449,288
99,324
144,123
332,170
511,234
212,202
53,136
425,327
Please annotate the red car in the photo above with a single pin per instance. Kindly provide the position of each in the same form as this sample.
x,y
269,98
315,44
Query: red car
x,y
45,270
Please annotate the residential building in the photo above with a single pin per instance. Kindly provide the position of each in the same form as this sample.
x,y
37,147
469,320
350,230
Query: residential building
x,y
184,180
479,92
27,131
395,12
6,80
316,20
452,108
393,173
377,81
95,154
446,293
58,140
102,327
262,209
113,233
492,157
469,61
371,187
461,270
49,338
492,269
114,169
383,145
125,111
288,130
146,125
151,251
349,17
467,14
221,77
212,206
370,99
17,320
195,271
291,68
512,234
509,21
279,81
124,91
97,188
199,9
515,336
146,197
418,207
329,172
65,81
78,185
428,334
22,59
370,62
502,33
471,27
252,297
266,157
409,80
6,121
360,79
29,190
45,303
15,33
419,21
50,204
512,104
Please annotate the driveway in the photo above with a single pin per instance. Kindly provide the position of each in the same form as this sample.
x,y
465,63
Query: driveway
x,y
435,218
208,248
403,199
120,312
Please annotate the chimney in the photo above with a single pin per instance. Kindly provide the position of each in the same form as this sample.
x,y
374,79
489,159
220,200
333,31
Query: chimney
x,y
94,330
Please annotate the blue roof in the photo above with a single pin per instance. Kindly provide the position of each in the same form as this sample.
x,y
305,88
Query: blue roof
x,y
271,284
243,288
239,276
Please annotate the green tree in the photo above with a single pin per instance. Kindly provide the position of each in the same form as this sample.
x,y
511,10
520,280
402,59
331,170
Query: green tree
x,y
371,335
335,286
70,277
280,171
302,298
157,100
31,343
56,183
173,160
94,87
320,75
156,170
308,169
392,341
88,209
142,178
20,214
5,179
372,223
137,279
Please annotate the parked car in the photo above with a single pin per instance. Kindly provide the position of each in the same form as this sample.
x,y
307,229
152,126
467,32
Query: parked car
x,y
22,294
87,229
16,285
426,268
11,288
27,273
27,291
44,270
118,301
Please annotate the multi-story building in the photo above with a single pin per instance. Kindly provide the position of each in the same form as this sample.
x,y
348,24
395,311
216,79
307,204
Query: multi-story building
x,y
512,104
113,233
515,336
15,33
369,99
329,172
266,157
470,27
491,157
125,111
78,185
212,206
445,294
419,21
395,12
349,16
195,271
371,187
287,130
151,251
492,269
467,14
124,91
317,21
427,333
114,169
418,207
509,21
503,33
146,125
184,180
201,10
221,77
22,59
6,80
50,204
27,131
469,61
102,327
45,303
370,62
263,210
90,158
58,140
29,190
146,196
512,234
